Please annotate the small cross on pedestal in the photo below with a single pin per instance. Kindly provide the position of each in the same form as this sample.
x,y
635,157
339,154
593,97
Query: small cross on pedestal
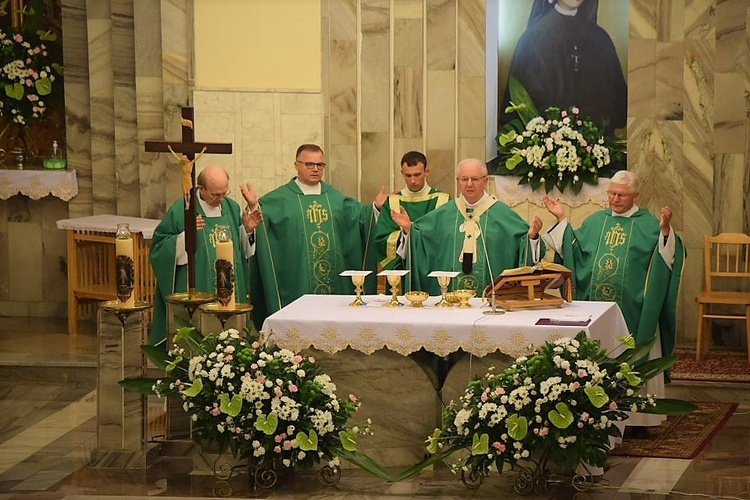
x,y
186,152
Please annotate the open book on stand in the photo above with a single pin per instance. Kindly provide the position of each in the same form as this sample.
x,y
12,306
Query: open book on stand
x,y
528,286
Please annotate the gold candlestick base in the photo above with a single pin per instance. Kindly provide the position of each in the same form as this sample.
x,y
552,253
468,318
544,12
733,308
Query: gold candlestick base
x,y
223,314
190,300
121,312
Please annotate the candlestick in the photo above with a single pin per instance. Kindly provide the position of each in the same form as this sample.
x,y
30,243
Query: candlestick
x,y
225,268
124,266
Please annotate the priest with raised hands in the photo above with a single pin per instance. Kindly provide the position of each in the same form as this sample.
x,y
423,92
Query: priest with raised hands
x,y
476,235
625,255
404,207
310,233
170,260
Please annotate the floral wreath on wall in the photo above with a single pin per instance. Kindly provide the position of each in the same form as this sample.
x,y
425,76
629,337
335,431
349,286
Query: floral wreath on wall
x,y
560,148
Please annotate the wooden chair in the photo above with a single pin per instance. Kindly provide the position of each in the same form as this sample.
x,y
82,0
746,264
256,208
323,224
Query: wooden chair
x,y
726,260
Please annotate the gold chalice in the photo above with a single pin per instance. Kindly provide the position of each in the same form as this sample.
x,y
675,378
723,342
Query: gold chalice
x,y
444,281
395,281
416,297
464,296
359,282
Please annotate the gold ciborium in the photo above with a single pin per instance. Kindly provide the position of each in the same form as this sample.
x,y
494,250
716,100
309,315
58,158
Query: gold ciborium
x,y
358,279
464,296
416,297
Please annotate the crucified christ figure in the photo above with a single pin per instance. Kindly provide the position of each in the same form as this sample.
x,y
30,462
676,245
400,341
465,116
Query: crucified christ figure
x,y
187,173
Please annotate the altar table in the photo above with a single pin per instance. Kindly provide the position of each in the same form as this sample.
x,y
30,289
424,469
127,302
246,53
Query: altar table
x,y
375,353
328,323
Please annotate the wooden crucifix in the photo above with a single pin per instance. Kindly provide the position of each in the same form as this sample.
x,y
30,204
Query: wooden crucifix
x,y
186,151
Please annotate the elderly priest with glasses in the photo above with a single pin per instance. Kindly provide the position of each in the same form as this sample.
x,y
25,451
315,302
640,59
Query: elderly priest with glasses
x,y
476,235
311,232
626,255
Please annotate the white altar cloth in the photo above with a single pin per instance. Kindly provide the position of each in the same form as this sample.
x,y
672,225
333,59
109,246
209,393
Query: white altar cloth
x,y
37,184
509,191
108,224
328,323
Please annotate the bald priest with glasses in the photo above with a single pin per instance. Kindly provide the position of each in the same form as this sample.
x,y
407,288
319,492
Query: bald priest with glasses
x,y
310,233
169,258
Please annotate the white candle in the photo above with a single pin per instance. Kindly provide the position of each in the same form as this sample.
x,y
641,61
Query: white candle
x,y
225,274
125,271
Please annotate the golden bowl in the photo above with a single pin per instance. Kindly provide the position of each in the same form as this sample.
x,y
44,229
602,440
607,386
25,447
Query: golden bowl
x,y
416,297
451,297
464,296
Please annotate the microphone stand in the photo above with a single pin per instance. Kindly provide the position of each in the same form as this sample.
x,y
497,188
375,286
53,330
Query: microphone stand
x,y
494,309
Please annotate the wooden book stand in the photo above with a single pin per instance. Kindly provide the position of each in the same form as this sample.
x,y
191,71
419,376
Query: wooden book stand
x,y
525,287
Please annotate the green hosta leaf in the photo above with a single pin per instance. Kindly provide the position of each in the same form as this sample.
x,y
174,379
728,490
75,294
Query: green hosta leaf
x,y
513,161
561,417
348,440
432,446
307,443
267,424
518,427
196,389
231,408
597,395
43,86
14,91
480,445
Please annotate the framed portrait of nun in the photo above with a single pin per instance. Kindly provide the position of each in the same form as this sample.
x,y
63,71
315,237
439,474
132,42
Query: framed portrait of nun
x,y
565,53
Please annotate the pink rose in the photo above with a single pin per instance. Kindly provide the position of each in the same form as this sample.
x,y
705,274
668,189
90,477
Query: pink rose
x,y
498,446
613,406
293,388
297,359
311,359
352,398
277,449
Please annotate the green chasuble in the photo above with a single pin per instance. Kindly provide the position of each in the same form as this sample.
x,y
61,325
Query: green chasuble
x,y
617,259
387,232
305,241
171,278
438,239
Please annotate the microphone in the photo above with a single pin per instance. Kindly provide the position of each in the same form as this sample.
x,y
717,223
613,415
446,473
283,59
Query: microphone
x,y
494,309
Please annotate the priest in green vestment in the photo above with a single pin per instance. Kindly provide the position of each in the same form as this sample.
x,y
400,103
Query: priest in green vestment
x,y
310,233
169,258
476,235
404,207
625,255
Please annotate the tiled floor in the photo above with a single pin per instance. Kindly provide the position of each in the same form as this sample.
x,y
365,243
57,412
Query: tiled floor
x,y
48,417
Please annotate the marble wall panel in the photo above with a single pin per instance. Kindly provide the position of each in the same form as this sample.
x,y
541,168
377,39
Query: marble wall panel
x,y
700,19
440,113
151,166
731,34
24,258
375,161
470,147
126,151
177,42
669,80
4,260
375,109
730,119
343,19
642,78
54,240
471,109
54,280
697,185
661,171
342,170
408,44
443,169
300,103
342,89
408,107
670,20
698,91
643,20
146,29
441,35
471,38
729,194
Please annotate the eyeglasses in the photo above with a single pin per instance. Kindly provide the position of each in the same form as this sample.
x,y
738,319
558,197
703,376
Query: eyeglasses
x,y
311,165
464,180
620,195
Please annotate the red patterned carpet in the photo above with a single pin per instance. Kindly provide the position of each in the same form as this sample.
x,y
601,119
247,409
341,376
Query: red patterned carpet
x,y
716,366
679,437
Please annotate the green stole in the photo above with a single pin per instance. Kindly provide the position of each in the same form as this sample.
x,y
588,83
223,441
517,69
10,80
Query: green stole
x,y
387,232
617,259
171,278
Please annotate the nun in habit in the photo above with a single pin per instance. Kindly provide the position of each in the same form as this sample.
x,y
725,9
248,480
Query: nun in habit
x,y
564,59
